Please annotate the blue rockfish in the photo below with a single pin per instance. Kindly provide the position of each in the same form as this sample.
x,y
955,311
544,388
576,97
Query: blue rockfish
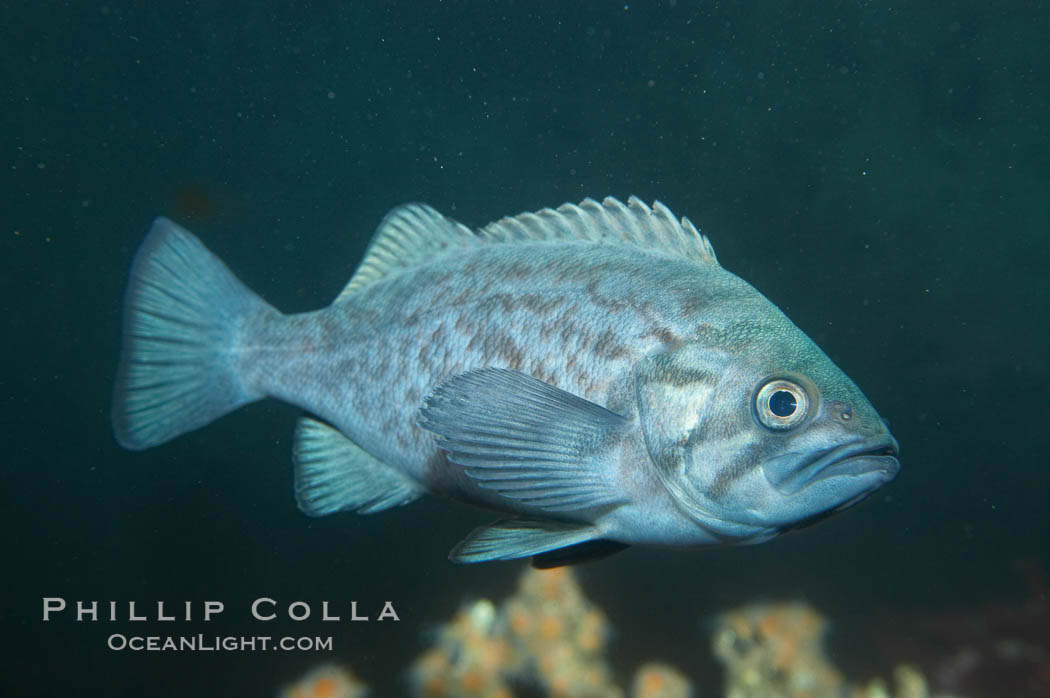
x,y
590,371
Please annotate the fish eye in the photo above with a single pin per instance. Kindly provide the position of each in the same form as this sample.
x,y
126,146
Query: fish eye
x,y
781,404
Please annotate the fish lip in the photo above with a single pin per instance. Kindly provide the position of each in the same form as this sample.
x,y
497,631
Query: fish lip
x,y
872,456
875,455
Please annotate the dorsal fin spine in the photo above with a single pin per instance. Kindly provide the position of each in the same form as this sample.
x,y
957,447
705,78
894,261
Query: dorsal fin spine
x,y
414,233
636,223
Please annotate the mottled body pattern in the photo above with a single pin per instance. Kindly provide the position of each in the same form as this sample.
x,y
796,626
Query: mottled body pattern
x,y
622,326
365,363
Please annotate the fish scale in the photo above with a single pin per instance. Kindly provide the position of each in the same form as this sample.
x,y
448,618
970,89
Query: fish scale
x,y
590,371
559,334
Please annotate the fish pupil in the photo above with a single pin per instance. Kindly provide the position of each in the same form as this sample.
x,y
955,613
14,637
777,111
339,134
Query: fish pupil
x,y
782,403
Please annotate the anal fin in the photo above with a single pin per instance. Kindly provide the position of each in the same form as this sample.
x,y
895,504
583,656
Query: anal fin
x,y
333,474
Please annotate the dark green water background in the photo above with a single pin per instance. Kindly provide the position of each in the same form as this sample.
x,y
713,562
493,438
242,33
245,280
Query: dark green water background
x,y
880,170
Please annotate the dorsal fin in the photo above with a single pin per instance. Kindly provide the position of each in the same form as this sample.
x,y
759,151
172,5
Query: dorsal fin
x,y
414,233
610,221
408,235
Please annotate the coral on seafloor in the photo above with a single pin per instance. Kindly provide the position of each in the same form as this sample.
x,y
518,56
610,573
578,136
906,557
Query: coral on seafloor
x,y
655,680
471,657
326,681
908,682
548,639
547,635
777,651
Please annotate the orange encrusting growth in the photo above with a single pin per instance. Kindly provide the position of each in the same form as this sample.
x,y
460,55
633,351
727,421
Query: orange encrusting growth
x,y
550,640
775,651
654,680
326,681
469,658
325,687
547,635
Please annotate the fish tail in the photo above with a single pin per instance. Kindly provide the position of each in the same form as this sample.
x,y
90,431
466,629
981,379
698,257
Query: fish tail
x,y
184,311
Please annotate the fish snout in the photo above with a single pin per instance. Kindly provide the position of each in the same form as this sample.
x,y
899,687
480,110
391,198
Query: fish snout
x,y
873,460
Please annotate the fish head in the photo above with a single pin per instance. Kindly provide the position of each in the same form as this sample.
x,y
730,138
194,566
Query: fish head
x,y
755,431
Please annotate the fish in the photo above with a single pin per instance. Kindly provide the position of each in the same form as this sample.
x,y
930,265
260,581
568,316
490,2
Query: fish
x,y
590,373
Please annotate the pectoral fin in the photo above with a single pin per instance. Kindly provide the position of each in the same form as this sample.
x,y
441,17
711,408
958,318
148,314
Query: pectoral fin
x,y
527,440
514,538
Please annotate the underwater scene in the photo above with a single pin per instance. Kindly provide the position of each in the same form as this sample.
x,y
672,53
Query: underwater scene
x,y
526,349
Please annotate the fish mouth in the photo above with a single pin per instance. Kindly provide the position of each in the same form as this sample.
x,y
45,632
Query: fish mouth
x,y
873,459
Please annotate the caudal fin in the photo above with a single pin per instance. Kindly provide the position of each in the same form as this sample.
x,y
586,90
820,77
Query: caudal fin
x,y
183,314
